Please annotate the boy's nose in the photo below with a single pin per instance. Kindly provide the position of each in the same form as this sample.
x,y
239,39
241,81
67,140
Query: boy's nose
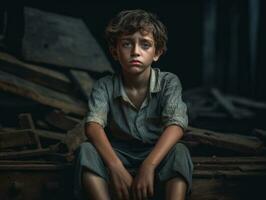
x,y
135,50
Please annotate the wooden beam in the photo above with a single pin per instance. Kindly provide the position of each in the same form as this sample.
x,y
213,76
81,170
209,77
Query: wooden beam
x,y
43,95
83,80
60,120
237,143
25,153
44,76
26,122
17,139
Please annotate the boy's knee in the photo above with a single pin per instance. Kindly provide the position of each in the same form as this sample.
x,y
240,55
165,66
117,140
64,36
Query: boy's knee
x,y
86,146
180,148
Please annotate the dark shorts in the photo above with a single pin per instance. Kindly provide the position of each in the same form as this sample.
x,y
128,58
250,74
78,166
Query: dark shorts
x,y
177,162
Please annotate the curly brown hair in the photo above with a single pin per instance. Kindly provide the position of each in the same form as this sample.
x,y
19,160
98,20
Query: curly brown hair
x,y
131,21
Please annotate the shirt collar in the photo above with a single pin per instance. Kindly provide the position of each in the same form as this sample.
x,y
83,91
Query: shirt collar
x,y
155,85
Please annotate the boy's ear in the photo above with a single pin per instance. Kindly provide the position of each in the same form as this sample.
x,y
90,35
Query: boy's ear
x,y
157,55
113,52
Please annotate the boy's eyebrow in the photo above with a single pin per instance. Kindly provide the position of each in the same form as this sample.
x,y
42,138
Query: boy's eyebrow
x,y
130,38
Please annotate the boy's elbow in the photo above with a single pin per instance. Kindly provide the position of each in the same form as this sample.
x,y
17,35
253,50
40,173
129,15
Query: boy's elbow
x,y
91,129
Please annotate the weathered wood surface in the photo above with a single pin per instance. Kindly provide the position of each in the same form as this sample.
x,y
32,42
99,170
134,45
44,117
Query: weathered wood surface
x,y
60,120
237,143
247,102
228,106
61,40
50,135
75,137
228,189
26,153
261,134
26,122
47,77
17,139
83,80
41,94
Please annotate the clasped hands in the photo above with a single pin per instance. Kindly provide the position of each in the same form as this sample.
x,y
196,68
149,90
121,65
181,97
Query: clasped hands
x,y
141,187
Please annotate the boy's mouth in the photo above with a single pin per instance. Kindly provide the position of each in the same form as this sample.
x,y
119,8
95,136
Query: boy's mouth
x,y
135,62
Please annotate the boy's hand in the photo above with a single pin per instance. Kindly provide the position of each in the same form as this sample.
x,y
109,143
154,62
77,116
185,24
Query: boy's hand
x,y
121,181
143,184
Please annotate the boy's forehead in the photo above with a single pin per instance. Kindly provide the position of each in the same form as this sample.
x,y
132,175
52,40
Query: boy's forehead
x,y
139,34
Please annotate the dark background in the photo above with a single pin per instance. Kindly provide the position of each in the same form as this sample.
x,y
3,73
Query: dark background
x,y
212,43
209,40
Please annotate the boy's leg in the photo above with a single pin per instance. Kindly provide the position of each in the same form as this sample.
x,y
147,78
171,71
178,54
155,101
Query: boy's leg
x,y
176,189
94,186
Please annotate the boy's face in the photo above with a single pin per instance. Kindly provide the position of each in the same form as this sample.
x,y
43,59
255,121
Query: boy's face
x,y
135,52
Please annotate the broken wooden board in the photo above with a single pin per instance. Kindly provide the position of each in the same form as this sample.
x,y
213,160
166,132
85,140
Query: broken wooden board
x,y
50,135
237,143
62,41
19,138
75,137
261,134
41,94
83,80
47,77
26,122
60,120
25,153
228,189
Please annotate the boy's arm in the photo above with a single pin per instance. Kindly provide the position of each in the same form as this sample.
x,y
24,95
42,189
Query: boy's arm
x,y
143,183
171,135
120,177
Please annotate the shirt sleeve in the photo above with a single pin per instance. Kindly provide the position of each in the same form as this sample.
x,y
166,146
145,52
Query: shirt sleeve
x,y
174,110
98,106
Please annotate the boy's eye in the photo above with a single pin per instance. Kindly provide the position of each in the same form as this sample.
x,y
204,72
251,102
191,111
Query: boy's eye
x,y
145,45
126,44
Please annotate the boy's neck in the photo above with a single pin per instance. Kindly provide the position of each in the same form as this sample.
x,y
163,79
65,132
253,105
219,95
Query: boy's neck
x,y
139,81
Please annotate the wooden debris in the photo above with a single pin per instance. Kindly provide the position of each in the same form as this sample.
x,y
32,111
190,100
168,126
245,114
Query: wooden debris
x,y
41,94
62,41
50,135
60,120
83,80
261,134
25,153
247,102
47,77
229,167
228,106
17,139
233,142
75,137
26,122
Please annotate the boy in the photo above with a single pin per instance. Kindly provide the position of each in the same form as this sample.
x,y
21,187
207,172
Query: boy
x,y
135,119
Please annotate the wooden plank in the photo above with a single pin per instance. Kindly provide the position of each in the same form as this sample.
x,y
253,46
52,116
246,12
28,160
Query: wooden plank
x,y
83,80
17,139
63,41
229,160
247,102
47,77
228,106
25,153
34,166
261,134
60,120
75,137
41,94
233,142
26,122
227,173
50,135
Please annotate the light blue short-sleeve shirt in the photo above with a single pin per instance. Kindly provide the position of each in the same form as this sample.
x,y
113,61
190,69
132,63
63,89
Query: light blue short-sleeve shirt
x,y
109,106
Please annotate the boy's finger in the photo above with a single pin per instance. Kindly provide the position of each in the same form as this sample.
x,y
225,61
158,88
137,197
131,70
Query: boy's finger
x,y
144,193
150,191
